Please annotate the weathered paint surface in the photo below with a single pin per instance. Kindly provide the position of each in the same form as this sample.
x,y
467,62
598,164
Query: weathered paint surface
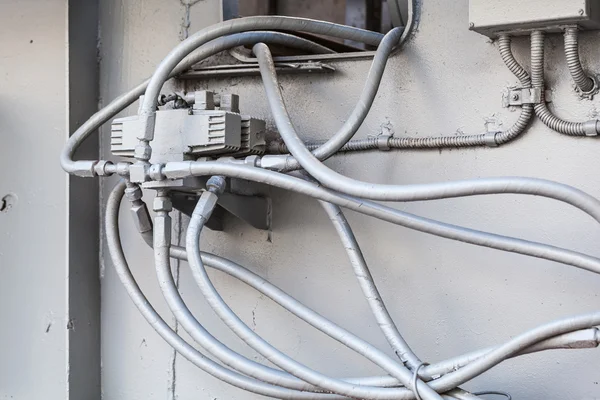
x,y
446,297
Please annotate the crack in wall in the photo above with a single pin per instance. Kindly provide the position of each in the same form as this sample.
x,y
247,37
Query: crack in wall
x,y
175,266
186,23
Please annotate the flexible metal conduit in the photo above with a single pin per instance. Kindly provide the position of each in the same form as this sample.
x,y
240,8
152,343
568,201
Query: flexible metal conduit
x,y
583,82
589,128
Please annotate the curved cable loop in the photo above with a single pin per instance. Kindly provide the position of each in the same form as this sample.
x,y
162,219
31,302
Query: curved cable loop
x,y
415,378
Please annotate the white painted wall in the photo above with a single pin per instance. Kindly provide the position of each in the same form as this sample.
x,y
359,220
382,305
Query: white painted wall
x,y
446,297
33,268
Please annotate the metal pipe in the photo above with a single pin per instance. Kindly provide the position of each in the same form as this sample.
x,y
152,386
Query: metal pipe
x,y
589,128
583,82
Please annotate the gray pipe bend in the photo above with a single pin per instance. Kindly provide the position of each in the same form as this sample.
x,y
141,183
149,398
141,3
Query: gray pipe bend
x,y
411,221
164,330
433,142
361,189
589,128
435,369
200,335
85,168
443,384
583,82
504,46
367,285
199,217
161,74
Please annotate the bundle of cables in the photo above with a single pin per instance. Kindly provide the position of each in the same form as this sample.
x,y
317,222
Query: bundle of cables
x,y
406,376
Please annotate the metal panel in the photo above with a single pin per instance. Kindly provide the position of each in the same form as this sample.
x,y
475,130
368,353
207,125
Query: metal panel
x,y
489,17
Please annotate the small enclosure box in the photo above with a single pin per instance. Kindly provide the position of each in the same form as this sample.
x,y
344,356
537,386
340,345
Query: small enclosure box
x,y
519,17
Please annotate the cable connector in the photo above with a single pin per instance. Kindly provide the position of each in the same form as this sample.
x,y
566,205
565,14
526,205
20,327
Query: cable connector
x,y
591,128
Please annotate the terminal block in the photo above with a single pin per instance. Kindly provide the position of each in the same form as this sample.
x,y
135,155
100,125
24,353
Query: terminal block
x,y
208,128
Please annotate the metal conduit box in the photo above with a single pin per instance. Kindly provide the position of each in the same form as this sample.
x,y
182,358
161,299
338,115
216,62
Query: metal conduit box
x,y
519,17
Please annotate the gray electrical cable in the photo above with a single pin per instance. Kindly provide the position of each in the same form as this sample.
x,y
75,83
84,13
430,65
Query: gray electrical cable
x,y
389,142
367,285
200,215
411,23
504,46
193,327
86,168
587,338
164,330
589,128
583,82
176,55
447,382
374,191
175,170
365,101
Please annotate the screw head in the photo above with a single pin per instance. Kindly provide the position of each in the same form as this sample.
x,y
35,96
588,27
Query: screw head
x,y
471,25
515,96
581,11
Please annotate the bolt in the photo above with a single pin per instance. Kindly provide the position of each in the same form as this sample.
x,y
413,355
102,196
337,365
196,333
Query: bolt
x,y
162,203
515,97
581,11
471,25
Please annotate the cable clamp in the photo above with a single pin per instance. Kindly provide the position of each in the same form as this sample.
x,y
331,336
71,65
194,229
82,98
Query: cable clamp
x,y
521,96
383,142
592,92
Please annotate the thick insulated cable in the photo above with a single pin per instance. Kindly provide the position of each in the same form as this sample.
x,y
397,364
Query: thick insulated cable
x,y
164,330
199,217
367,285
447,382
588,338
177,54
369,288
384,192
232,359
360,112
177,170
589,128
485,139
85,168
583,82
